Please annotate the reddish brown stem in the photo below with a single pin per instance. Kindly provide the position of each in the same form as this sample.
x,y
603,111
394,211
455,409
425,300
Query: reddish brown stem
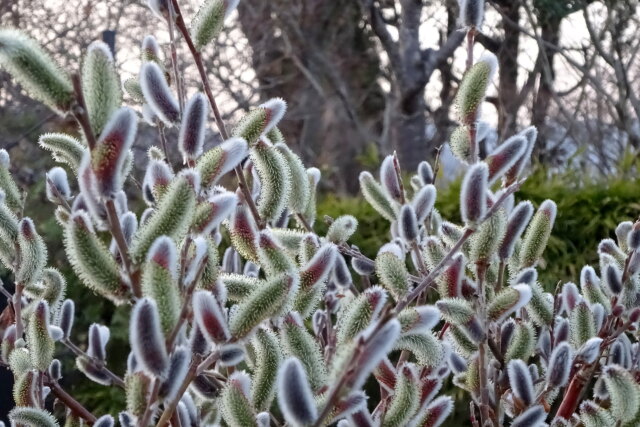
x,y
80,112
197,58
73,405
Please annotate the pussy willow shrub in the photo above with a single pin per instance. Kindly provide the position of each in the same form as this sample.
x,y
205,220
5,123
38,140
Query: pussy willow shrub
x,y
273,329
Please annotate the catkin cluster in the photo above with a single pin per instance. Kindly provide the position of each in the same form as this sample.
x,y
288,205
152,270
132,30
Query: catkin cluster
x,y
242,315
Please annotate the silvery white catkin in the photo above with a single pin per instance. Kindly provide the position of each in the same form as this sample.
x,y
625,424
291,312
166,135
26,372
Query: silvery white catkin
x,y
178,367
559,365
98,337
294,394
389,179
425,172
520,381
104,421
57,185
533,416
517,222
612,278
66,317
471,12
192,128
146,339
158,94
423,202
210,317
473,194
408,223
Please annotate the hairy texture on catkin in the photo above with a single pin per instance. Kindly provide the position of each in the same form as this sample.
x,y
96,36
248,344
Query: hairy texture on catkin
x,y
473,194
100,85
389,179
219,160
505,156
521,381
244,232
32,417
209,20
111,151
172,218
537,234
192,128
10,191
375,195
158,95
531,134
624,392
471,12
300,187
210,318
41,345
261,121
473,88
275,180
405,399
294,394
517,222
237,409
34,69
146,339
160,281
57,185
33,253
268,359
272,256
266,301
91,259
298,342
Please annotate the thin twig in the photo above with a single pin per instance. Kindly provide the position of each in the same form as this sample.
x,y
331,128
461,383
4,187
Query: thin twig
x,y
197,58
429,280
80,112
174,57
71,403
99,364
118,236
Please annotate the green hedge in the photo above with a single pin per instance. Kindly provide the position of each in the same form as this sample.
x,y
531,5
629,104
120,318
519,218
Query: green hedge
x,y
588,211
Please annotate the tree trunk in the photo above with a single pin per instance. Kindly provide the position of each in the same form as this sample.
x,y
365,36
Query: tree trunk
x,y
508,62
318,57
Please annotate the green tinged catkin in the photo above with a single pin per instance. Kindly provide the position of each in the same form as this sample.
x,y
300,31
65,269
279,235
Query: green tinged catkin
x,y
268,360
172,218
300,188
237,409
375,195
474,86
392,273
406,398
264,302
38,74
275,180
91,259
298,342
64,148
209,20
100,85
40,343
32,417
273,258
160,281
537,235
11,191
32,251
